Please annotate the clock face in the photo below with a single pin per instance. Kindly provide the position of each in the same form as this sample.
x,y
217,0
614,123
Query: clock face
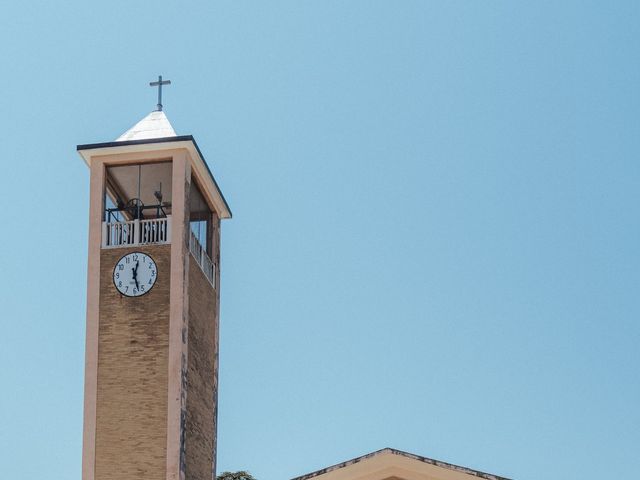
x,y
135,274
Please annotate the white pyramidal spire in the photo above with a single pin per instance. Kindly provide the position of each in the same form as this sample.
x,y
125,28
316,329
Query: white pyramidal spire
x,y
154,125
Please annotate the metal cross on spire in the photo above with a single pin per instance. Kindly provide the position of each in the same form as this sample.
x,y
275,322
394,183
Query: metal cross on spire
x,y
159,84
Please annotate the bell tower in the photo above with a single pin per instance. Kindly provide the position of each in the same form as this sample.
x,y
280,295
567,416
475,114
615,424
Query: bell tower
x,y
153,297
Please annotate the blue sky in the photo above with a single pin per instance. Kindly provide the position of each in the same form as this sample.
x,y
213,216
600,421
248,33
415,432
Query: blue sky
x,y
435,235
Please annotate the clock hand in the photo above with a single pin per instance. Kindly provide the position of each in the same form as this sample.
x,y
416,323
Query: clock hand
x,y
135,274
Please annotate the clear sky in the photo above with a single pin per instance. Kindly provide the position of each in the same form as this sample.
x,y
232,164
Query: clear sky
x,y
435,235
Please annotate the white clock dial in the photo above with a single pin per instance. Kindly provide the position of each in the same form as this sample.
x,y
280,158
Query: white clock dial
x,y
135,274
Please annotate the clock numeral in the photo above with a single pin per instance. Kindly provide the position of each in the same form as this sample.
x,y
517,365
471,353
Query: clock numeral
x,y
126,289
151,282
153,273
127,260
120,284
120,266
117,274
142,288
135,256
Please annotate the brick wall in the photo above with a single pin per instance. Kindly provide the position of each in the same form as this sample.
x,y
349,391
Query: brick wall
x,y
131,427
200,429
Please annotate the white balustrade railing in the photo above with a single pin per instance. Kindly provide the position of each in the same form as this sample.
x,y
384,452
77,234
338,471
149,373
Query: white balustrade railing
x,y
136,232
200,254
154,231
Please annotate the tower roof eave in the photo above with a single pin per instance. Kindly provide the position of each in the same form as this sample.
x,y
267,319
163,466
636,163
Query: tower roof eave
x,y
87,151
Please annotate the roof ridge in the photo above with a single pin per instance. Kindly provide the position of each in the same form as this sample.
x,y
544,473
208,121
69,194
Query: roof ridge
x,y
154,125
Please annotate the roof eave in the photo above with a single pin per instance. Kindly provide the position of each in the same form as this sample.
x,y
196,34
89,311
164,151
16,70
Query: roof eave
x,y
86,151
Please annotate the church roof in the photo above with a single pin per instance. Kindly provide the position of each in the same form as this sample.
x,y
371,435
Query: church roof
x,y
392,464
154,125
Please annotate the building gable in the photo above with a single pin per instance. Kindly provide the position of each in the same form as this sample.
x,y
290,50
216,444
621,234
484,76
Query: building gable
x,y
391,464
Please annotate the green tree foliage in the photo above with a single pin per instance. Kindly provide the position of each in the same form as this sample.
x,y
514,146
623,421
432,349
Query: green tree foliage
x,y
241,475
